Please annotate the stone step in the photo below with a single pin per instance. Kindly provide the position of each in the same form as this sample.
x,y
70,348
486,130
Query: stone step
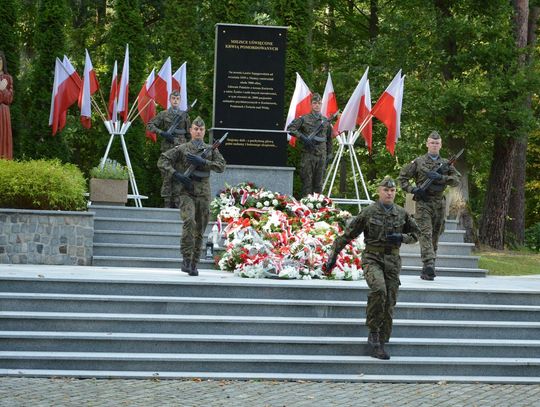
x,y
445,248
155,282
443,260
54,341
81,303
257,325
104,211
262,363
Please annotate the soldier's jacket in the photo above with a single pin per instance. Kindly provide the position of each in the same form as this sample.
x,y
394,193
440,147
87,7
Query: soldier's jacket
x,y
420,166
375,222
306,124
175,160
163,121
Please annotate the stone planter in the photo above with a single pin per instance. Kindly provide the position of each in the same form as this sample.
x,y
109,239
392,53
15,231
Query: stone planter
x,y
46,237
108,191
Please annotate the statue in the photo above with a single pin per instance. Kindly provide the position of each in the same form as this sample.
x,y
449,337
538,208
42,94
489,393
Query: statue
x,y
6,98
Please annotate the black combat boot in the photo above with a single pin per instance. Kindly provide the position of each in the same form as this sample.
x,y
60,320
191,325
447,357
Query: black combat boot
x,y
194,271
186,265
378,352
428,272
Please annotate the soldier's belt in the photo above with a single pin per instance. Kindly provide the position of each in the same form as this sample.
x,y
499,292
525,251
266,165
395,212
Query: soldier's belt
x,y
382,249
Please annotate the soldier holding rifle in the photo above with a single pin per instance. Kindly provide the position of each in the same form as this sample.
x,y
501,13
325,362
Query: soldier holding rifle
x,y
315,132
189,165
432,174
172,125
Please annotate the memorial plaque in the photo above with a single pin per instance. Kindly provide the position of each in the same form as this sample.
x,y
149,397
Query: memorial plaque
x,y
249,85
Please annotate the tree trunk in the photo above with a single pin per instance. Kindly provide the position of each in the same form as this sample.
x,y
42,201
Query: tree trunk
x,y
515,226
498,193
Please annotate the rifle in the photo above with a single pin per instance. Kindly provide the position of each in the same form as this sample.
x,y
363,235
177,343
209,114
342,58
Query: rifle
x,y
178,117
205,154
316,131
425,185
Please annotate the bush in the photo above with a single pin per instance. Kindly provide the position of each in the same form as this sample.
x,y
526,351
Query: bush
x,y
111,170
532,237
41,184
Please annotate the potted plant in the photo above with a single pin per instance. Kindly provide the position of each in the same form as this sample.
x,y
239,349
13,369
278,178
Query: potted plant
x,y
109,183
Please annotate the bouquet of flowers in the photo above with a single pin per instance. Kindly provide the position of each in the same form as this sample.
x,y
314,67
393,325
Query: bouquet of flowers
x,y
273,235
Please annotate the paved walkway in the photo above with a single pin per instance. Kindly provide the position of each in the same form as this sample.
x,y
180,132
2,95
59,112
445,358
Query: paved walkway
x,y
36,392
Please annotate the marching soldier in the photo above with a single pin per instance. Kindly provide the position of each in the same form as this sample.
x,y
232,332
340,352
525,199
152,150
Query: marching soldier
x,y
172,125
385,226
315,132
193,190
430,203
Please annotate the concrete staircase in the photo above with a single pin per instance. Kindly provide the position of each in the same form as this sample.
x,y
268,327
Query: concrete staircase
x,y
150,237
126,322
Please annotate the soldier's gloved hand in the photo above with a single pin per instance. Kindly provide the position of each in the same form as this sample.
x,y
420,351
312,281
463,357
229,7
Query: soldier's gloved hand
x,y
394,238
434,175
195,159
167,136
184,180
331,262
419,193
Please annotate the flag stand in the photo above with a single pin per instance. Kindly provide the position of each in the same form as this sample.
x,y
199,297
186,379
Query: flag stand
x,y
347,142
117,128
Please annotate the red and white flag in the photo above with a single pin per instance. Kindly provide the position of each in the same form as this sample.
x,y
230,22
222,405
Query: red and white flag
x,y
357,111
65,92
179,82
329,101
113,96
123,90
146,105
89,87
162,86
300,104
388,110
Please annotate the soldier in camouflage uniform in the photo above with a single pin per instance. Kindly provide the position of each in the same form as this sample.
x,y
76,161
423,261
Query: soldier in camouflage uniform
x,y
385,226
171,137
430,204
194,191
316,150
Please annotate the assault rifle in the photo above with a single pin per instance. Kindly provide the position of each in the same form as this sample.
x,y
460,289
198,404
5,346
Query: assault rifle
x,y
442,167
205,153
316,131
178,117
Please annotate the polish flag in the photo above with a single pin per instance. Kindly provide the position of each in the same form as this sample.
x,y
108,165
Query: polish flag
x,y
388,110
357,111
123,90
89,87
329,101
162,86
65,92
300,104
113,96
146,105
179,83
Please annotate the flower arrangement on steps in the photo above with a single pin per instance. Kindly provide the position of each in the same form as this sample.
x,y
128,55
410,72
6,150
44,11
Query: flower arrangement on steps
x,y
276,236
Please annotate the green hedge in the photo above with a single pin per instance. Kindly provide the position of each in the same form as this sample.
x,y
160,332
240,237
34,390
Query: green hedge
x,y
41,184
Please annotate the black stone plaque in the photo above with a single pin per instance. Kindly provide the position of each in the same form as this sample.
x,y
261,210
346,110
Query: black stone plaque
x,y
249,86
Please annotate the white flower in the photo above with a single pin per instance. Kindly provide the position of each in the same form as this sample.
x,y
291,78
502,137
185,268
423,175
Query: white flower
x,y
310,205
275,202
259,205
266,203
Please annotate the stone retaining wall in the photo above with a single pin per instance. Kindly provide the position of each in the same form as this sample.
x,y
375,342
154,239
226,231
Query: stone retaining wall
x,y
46,237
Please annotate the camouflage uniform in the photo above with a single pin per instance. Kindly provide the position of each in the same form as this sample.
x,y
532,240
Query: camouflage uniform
x,y
313,160
194,205
430,213
162,122
380,259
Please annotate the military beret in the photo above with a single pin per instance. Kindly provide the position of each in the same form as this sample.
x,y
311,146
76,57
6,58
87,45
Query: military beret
x,y
198,122
434,135
315,97
388,182
175,93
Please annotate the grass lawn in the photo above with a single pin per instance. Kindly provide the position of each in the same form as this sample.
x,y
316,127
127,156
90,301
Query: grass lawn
x,y
509,263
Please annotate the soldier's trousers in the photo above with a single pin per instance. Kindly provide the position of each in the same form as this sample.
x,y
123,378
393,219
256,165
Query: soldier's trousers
x,y
430,217
311,173
381,272
194,212
166,186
